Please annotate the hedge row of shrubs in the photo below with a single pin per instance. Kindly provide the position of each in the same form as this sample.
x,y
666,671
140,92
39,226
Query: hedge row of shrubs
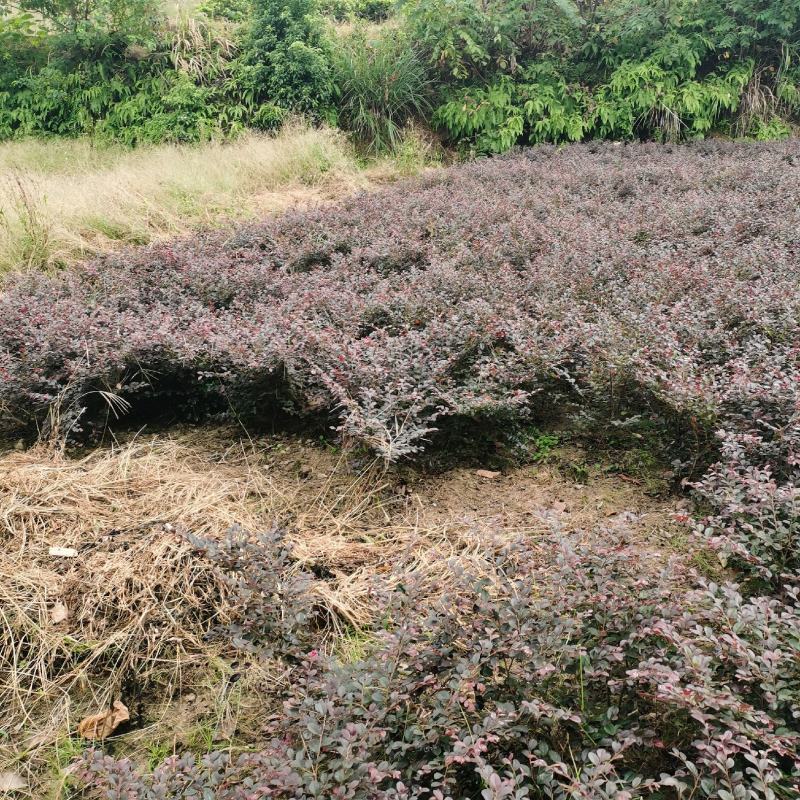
x,y
627,280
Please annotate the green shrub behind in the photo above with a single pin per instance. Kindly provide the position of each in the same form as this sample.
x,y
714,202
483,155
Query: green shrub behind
x,y
620,69
134,77
488,74
343,10
290,56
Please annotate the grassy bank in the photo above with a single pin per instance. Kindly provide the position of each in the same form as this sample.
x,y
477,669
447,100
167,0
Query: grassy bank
x,y
63,200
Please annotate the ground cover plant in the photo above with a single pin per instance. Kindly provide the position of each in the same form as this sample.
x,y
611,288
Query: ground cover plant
x,y
142,614
646,290
590,678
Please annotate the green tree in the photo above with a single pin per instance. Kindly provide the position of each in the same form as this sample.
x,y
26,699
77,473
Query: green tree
x,y
132,19
291,57
547,70
470,40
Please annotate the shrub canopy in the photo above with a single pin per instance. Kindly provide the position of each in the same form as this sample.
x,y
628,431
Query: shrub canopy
x,y
641,279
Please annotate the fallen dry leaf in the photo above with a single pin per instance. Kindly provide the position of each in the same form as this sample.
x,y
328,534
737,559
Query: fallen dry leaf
x,y
225,729
58,613
98,726
487,473
12,782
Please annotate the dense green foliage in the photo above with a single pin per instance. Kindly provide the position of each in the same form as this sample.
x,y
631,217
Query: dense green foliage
x,y
288,56
136,77
488,75
346,10
617,69
120,75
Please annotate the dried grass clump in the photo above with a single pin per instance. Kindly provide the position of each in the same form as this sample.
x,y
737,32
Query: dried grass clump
x,y
125,609
127,616
134,608
147,482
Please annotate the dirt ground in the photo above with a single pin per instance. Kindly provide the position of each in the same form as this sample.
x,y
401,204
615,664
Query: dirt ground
x,y
101,598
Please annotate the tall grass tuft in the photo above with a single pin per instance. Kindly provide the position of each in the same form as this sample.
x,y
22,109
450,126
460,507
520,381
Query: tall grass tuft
x,y
382,83
24,225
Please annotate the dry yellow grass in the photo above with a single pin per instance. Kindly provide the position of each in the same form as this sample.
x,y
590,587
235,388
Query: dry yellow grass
x,y
63,200
130,609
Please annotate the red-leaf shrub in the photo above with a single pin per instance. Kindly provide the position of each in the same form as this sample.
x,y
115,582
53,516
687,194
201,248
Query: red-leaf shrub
x,y
591,678
593,273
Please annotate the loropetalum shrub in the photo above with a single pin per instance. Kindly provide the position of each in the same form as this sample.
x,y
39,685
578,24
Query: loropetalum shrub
x,y
590,678
594,274
273,612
